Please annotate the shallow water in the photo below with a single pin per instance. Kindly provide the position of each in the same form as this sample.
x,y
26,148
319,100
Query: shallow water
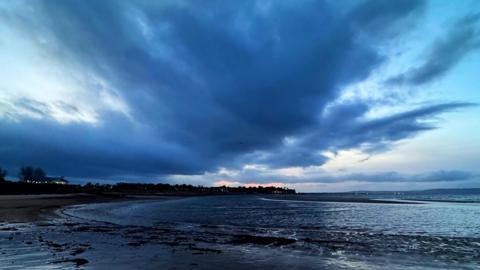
x,y
341,235
248,232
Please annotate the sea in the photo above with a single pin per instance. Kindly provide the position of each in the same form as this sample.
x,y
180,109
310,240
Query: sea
x,y
309,231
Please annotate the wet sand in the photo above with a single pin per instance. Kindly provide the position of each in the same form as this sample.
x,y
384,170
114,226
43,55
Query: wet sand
x,y
69,243
33,235
31,208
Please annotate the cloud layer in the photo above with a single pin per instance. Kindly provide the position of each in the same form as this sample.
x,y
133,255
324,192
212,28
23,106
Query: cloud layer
x,y
183,87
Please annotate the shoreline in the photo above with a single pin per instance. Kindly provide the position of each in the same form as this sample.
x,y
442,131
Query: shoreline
x,y
33,208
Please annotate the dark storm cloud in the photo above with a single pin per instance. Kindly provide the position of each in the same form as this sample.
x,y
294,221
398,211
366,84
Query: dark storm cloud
x,y
345,126
444,53
350,130
209,84
94,151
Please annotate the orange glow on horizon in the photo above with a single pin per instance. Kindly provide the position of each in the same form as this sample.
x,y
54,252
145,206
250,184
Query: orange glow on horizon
x,y
232,183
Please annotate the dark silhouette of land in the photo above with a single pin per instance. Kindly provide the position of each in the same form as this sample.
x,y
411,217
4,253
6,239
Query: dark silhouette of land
x,y
24,188
35,181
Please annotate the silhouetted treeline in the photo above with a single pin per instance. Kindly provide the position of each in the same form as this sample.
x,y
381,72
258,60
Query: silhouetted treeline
x,y
182,189
8,187
167,188
29,173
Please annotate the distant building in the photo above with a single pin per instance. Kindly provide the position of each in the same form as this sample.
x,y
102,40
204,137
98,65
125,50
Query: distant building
x,y
48,180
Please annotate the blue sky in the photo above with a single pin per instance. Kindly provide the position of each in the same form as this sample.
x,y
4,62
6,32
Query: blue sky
x,y
315,95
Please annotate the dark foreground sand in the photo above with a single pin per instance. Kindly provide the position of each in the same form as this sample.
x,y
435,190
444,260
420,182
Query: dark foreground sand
x,y
31,208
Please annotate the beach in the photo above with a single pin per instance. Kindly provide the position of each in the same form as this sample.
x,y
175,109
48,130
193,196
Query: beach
x,y
243,232
31,208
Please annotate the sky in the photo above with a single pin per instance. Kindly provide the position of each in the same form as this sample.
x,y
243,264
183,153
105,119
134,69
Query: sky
x,y
320,96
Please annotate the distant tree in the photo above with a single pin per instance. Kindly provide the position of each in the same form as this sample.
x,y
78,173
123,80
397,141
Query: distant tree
x,y
30,173
3,173
89,185
39,174
26,173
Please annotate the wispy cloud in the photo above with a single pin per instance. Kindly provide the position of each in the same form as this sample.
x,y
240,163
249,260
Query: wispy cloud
x,y
444,54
